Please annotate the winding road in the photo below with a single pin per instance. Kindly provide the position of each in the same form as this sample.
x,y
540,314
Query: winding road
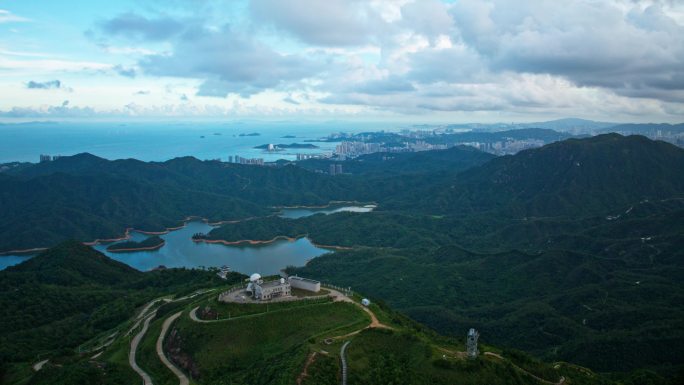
x,y
561,381
147,380
343,358
182,378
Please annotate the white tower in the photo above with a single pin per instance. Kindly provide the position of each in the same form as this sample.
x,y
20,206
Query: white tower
x,y
254,286
471,343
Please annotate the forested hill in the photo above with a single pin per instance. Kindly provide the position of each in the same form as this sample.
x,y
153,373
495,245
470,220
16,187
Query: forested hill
x,y
70,293
572,251
589,176
82,322
86,197
383,164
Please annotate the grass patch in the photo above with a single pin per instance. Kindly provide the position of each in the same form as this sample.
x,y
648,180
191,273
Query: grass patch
x,y
148,359
323,371
383,357
234,348
233,310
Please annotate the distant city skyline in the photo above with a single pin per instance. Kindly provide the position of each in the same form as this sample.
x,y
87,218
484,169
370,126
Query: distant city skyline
x,y
424,61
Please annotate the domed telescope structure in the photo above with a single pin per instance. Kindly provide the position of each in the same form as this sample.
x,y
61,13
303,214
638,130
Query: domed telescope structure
x,y
471,343
264,291
254,286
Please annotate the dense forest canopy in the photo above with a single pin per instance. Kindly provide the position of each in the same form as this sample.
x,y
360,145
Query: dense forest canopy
x,y
572,251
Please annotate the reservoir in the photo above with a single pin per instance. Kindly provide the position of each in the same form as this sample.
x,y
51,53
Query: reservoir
x,y
180,251
300,212
11,260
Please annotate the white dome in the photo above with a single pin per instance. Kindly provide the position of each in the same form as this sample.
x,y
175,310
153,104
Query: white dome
x,y
255,277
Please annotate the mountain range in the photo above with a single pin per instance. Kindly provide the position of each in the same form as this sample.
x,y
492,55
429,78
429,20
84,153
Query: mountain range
x,y
571,251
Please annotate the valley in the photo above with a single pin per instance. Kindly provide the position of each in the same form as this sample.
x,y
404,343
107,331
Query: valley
x,y
552,251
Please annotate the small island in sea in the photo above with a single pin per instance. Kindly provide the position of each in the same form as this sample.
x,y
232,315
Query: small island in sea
x,y
288,137
250,134
276,147
152,243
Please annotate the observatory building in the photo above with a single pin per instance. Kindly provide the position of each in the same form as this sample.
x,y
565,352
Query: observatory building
x,y
304,283
471,343
260,290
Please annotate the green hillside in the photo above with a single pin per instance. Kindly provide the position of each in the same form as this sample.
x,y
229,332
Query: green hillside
x,y
297,342
570,252
572,177
85,197
382,164
66,295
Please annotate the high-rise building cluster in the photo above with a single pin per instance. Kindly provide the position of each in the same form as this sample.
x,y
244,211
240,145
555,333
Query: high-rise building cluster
x,y
48,158
507,147
313,156
424,146
354,149
240,160
336,169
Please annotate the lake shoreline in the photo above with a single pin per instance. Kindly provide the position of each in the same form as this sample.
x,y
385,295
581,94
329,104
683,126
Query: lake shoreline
x,y
126,236
134,249
254,242
127,232
330,204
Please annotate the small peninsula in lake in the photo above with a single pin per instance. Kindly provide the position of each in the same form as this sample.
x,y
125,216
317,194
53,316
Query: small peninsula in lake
x,y
152,243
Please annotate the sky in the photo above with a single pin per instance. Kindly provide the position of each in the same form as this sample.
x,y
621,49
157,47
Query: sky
x,y
395,60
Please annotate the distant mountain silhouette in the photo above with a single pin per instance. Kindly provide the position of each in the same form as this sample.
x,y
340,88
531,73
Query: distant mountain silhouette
x,y
572,177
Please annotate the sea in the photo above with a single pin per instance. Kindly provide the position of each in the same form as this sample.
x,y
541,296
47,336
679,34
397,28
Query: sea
x,y
159,141
163,141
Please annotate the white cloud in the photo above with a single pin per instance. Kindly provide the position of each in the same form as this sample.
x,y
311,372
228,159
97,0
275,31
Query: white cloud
x,y
50,65
582,57
325,23
9,17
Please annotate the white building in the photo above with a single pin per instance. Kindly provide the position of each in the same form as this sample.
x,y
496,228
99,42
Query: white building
x,y
258,289
305,284
471,343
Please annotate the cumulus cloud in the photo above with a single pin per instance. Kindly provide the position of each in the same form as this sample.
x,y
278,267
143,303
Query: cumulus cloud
x,y
428,17
630,50
124,71
228,62
386,86
329,22
8,17
48,85
60,111
137,26
420,56
289,99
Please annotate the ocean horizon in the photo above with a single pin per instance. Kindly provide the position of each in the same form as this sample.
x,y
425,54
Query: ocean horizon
x,y
154,141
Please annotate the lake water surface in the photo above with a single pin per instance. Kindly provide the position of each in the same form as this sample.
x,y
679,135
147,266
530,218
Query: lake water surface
x,y
181,251
300,212
11,260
